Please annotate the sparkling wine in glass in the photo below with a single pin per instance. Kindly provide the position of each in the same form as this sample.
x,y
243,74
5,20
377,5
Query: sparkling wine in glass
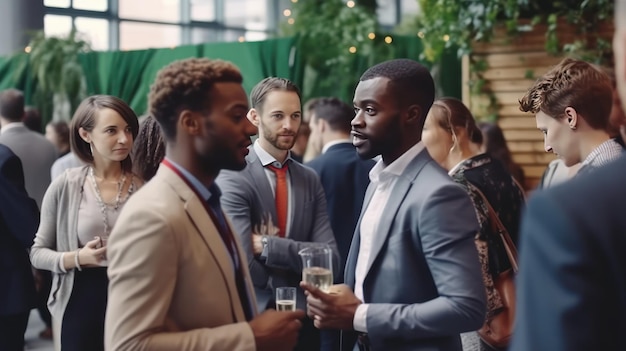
x,y
317,267
286,299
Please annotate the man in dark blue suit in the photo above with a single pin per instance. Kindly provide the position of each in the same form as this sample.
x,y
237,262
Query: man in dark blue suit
x,y
19,219
571,292
344,175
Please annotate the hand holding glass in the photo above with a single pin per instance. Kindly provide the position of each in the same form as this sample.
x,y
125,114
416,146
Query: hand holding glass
x,y
317,266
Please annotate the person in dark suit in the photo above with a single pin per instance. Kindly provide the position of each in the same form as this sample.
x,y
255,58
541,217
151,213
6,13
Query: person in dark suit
x,y
344,176
413,279
19,218
571,287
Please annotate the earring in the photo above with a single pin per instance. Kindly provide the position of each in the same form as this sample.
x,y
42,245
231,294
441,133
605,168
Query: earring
x,y
572,127
91,148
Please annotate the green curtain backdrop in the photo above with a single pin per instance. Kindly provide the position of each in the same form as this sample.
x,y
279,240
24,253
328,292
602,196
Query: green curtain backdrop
x,y
128,74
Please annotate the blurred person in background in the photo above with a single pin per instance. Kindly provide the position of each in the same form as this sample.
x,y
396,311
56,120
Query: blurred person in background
x,y
58,133
148,149
453,139
495,145
32,119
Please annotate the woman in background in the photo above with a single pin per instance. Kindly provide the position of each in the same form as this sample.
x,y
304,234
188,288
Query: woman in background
x,y
77,214
454,141
495,145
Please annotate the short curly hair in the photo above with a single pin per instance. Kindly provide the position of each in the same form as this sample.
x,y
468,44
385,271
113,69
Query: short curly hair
x,y
572,83
185,84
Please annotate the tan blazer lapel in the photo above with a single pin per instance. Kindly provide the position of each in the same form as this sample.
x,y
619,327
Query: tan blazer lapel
x,y
210,236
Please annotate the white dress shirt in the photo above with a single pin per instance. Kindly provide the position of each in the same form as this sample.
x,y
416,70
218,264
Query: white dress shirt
x,y
384,179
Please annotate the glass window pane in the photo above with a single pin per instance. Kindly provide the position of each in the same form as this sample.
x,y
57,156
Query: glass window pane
x,y
95,31
387,12
203,10
155,10
408,7
250,14
93,5
57,3
256,36
147,35
54,25
203,35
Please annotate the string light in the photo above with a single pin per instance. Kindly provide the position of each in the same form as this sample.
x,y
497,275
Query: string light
x,y
372,36
421,35
350,4
287,12
352,49
241,39
27,49
388,39
291,21
294,1
446,37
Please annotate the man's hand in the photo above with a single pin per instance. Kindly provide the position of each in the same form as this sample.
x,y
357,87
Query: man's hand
x,y
276,330
334,310
257,245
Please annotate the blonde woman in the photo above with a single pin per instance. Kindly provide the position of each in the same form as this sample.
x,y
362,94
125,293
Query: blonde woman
x,y
77,214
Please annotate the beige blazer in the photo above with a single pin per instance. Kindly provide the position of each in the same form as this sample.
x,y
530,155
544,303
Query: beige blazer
x,y
172,284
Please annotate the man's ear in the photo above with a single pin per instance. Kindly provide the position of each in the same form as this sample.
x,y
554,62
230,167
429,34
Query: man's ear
x,y
572,117
253,117
414,114
188,122
85,135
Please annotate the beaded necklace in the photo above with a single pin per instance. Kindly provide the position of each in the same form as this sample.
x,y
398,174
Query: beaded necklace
x,y
118,198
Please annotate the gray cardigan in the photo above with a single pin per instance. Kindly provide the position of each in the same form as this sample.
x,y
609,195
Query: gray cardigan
x,y
57,234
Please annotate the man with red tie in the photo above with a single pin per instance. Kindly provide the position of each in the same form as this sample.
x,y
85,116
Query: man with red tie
x,y
276,205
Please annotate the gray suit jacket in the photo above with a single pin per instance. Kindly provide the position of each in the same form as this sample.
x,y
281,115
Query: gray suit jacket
x,y
423,280
247,196
37,155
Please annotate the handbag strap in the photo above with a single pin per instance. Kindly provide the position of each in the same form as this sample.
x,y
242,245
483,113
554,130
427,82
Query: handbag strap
x,y
498,227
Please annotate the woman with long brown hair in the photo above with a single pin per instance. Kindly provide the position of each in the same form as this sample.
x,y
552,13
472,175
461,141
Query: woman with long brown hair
x,y
77,214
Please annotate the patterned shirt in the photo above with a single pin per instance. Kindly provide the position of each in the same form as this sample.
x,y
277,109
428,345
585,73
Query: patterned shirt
x,y
604,154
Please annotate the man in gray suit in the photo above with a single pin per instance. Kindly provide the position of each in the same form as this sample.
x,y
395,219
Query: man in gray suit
x,y
34,150
276,220
412,264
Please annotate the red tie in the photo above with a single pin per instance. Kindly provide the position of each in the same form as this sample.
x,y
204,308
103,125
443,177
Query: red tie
x,y
282,200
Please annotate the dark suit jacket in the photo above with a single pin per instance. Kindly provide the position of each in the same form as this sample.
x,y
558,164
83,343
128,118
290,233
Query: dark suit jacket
x,y
19,219
345,177
571,292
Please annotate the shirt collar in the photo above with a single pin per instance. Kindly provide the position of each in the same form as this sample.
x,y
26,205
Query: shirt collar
x,y
396,168
335,142
266,158
204,192
11,126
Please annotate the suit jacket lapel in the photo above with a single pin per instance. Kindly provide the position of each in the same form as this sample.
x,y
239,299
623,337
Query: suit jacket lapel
x,y
298,181
209,233
353,254
262,185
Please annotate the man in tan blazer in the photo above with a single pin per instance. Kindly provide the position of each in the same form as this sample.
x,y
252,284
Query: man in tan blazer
x,y
178,277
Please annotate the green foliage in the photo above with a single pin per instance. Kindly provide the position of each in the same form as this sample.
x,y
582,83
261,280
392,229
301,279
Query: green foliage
x,y
328,29
53,63
457,23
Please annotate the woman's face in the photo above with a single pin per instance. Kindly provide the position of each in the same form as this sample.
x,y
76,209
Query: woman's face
x,y
437,140
111,138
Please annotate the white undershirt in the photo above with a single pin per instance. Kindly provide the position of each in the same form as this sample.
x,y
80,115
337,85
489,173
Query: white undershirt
x,y
384,179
